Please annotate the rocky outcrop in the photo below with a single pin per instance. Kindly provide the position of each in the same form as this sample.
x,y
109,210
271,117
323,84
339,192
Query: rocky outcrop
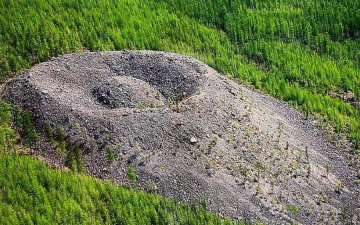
x,y
190,132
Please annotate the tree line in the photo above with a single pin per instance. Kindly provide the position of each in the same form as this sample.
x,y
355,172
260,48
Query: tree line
x,y
305,52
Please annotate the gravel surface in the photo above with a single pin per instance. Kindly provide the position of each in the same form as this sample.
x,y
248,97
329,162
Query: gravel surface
x,y
190,133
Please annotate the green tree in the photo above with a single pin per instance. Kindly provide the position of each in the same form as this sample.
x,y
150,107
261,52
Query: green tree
x,y
29,133
48,131
110,154
59,134
131,174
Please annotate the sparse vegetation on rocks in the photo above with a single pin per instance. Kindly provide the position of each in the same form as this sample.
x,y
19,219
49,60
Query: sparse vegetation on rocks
x,y
131,174
110,154
304,52
214,142
190,132
84,200
28,130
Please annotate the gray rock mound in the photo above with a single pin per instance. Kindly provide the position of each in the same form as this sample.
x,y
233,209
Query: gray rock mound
x,y
191,133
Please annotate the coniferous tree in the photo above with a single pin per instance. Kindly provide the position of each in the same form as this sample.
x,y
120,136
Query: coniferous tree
x,y
48,131
29,133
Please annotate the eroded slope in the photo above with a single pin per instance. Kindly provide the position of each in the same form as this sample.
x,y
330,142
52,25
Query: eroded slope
x,y
191,132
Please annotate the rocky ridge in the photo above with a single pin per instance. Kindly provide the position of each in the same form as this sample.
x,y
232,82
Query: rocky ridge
x,y
190,133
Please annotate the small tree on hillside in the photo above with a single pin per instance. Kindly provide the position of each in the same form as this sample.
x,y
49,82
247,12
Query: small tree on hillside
x,y
29,133
110,155
59,134
131,174
48,131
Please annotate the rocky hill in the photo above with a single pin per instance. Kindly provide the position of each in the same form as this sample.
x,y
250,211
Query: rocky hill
x,y
190,133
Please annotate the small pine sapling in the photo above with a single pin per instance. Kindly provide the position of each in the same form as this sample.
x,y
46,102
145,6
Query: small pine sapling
x,y
29,133
48,131
131,174
110,155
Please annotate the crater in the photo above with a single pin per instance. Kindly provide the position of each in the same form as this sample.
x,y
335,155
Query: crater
x,y
239,149
170,75
128,92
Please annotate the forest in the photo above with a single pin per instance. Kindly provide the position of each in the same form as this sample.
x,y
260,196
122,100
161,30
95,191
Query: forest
x,y
33,193
304,52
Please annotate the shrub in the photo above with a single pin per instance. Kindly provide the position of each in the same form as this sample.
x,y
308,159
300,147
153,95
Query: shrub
x,y
48,131
131,174
110,155
74,159
29,133
59,134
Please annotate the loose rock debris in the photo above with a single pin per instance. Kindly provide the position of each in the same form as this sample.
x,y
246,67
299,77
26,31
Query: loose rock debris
x,y
191,132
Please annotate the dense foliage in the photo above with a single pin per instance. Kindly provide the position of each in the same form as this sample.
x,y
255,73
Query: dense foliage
x,y
304,52
308,51
32,193
7,134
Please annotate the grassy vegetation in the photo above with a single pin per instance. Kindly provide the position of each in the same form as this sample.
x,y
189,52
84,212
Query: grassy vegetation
x,y
299,51
305,52
32,193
